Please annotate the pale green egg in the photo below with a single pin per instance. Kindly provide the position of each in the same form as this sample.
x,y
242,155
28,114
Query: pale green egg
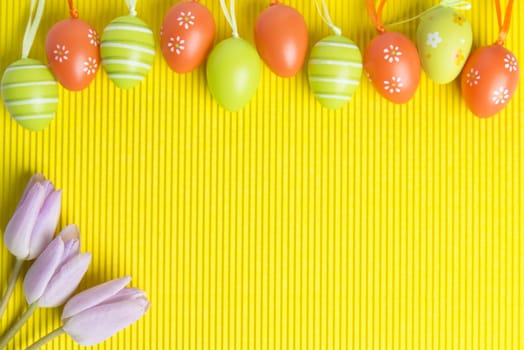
x,y
128,50
444,40
233,73
30,93
334,70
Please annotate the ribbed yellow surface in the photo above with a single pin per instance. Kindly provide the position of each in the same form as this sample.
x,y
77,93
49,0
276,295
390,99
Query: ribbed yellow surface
x,y
283,226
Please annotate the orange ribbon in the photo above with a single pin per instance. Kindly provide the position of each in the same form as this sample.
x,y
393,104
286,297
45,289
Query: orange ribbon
x,y
72,11
376,14
503,23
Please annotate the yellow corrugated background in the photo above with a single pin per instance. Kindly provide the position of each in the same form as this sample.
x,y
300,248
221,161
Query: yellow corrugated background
x,y
283,226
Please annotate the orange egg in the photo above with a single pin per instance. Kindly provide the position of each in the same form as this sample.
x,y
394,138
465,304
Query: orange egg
x,y
489,80
73,53
281,38
187,36
392,64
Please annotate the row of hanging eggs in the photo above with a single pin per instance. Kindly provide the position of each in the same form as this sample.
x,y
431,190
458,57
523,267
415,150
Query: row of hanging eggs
x,y
444,40
74,52
391,61
335,64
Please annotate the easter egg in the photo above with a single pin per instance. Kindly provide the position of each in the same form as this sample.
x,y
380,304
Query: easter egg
x,y
281,39
233,73
489,80
30,93
444,42
392,64
72,53
334,70
127,50
187,36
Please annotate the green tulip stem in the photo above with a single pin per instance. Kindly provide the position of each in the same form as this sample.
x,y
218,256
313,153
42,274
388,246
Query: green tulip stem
x,y
10,286
11,332
44,340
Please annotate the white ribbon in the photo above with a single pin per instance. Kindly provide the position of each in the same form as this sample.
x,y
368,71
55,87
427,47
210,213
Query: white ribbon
x,y
32,26
131,5
454,4
230,16
326,17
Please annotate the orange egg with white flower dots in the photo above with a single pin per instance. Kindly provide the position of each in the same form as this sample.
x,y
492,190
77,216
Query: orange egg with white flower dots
x,y
72,48
187,36
392,64
489,80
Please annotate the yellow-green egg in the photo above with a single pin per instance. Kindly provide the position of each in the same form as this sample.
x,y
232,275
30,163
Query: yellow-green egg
x,y
30,93
334,70
127,50
444,40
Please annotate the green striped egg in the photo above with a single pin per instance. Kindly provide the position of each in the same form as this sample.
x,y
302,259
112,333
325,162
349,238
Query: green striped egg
x,y
127,50
30,93
334,70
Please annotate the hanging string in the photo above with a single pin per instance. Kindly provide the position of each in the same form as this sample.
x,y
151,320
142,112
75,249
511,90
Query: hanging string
x,y
326,17
32,26
230,15
376,14
454,4
503,23
131,5
72,11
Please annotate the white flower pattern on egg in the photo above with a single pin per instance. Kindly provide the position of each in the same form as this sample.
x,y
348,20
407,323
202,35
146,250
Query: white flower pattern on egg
x,y
500,96
511,63
434,39
186,19
394,85
94,39
176,44
473,77
90,66
61,53
392,54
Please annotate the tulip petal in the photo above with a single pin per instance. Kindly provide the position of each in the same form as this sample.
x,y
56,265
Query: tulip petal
x,y
125,294
93,296
71,236
19,230
45,225
70,232
37,178
42,270
100,322
71,249
65,280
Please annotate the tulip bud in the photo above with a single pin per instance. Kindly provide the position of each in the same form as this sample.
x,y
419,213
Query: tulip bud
x,y
34,222
57,272
94,315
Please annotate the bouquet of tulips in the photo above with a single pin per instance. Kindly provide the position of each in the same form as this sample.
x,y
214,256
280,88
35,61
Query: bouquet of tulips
x,y
89,317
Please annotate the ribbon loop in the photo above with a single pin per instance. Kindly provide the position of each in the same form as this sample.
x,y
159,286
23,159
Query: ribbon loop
x,y
230,16
32,25
456,4
375,13
326,17
131,5
73,12
505,22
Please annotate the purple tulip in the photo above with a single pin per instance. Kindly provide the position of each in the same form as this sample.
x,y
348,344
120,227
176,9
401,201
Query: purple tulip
x,y
94,315
34,222
57,272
